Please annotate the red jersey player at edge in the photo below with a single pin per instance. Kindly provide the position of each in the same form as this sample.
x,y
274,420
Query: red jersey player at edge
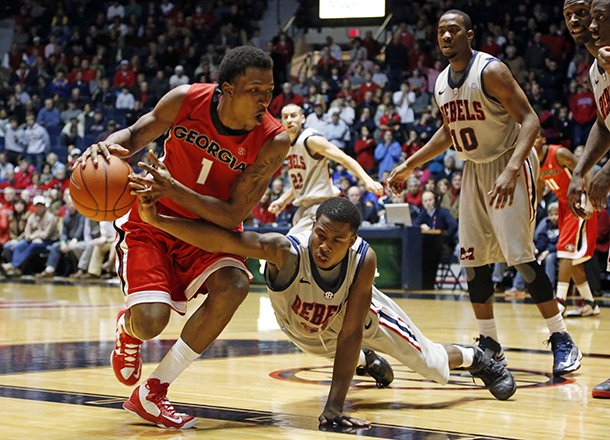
x,y
223,146
576,235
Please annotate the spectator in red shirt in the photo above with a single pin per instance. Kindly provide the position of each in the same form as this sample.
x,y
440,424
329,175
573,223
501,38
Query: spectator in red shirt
x,y
414,192
260,212
125,76
558,44
283,99
364,148
371,45
491,47
367,86
584,112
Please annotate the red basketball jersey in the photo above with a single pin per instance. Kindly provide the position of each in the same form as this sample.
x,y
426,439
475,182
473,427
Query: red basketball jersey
x,y
206,156
555,175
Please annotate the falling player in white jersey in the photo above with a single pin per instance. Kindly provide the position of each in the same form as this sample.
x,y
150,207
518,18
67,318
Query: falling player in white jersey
x,y
492,126
321,288
309,172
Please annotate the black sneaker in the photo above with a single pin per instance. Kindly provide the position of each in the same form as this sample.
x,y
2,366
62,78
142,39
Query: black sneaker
x,y
497,379
566,355
487,343
376,367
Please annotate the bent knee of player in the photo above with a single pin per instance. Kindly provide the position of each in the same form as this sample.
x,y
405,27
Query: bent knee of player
x,y
148,320
229,294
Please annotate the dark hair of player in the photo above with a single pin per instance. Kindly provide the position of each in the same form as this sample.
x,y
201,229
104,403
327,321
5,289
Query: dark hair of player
x,y
465,17
237,60
338,209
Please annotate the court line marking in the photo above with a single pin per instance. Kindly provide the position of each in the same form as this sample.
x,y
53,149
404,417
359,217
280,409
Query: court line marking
x,y
239,415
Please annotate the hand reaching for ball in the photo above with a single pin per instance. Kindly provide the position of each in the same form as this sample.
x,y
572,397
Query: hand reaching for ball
x,y
159,183
105,149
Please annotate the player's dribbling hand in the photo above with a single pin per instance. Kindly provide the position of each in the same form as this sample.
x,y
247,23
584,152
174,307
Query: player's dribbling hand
x,y
504,189
603,58
334,419
105,149
398,176
598,190
158,184
576,191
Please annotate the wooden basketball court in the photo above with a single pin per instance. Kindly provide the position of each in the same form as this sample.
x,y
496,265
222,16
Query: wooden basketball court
x,y
56,381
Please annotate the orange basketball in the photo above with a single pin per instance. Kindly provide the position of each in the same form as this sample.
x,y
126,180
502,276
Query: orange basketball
x,y
102,193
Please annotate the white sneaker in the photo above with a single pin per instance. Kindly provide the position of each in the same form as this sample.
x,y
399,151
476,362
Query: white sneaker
x,y
589,309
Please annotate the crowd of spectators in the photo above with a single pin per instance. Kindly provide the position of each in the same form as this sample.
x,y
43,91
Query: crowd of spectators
x,y
77,70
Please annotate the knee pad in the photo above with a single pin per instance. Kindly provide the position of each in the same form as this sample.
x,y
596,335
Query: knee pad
x,y
538,283
480,285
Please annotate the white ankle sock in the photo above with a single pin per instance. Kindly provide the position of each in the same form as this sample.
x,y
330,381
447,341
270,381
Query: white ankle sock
x,y
175,362
467,356
562,290
556,324
487,327
585,291
362,359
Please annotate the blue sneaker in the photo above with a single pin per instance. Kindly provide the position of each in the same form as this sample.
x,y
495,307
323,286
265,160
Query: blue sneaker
x,y
566,355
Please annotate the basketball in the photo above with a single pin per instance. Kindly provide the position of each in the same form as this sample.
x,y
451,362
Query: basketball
x,y
102,193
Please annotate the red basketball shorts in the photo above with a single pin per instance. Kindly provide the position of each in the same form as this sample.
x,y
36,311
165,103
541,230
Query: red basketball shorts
x,y
577,236
155,267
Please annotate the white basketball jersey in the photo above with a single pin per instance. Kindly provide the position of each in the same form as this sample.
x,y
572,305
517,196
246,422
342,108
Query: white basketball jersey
x,y
481,128
309,176
307,306
601,89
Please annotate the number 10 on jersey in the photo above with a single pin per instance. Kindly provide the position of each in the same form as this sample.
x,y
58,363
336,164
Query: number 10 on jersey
x,y
467,137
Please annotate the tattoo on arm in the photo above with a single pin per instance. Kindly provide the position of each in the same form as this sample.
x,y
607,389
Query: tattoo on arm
x,y
259,176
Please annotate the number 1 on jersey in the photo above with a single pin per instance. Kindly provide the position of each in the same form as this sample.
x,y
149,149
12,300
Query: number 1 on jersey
x,y
206,165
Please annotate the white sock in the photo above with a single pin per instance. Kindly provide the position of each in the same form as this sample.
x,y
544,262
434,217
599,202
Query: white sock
x,y
467,356
562,290
362,359
487,327
556,324
585,291
175,362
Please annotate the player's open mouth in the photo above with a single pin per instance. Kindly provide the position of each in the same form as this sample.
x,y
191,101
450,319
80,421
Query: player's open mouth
x,y
577,31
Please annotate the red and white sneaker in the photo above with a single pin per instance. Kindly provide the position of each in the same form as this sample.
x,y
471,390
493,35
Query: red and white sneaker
x,y
149,401
602,391
125,357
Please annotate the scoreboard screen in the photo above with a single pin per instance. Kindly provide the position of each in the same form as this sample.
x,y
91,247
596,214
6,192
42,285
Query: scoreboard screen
x,y
334,9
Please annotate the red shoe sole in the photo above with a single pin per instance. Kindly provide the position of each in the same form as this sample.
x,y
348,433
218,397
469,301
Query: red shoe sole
x,y
601,394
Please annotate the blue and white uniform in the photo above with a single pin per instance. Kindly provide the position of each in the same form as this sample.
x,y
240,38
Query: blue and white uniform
x,y
310,311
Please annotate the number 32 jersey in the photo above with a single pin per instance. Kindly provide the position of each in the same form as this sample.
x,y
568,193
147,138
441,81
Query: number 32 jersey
x,y
480,127
203,154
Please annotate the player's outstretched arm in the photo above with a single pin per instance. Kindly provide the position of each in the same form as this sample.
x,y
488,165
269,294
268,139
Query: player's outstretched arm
x,y
147,128
280,204
321,145
596,146
271,247
247,190
349,342
500,83
439,142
